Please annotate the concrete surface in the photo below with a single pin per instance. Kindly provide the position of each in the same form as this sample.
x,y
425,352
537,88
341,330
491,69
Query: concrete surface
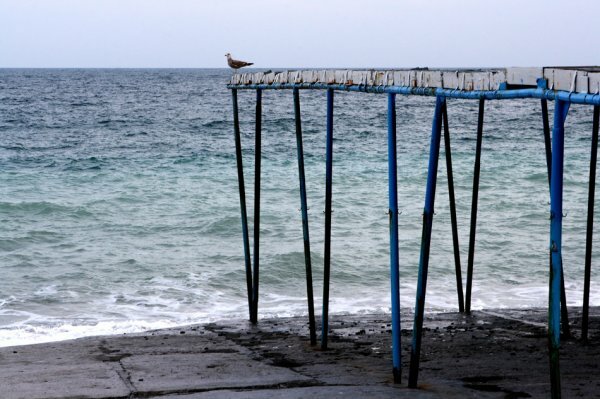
x,y
490,354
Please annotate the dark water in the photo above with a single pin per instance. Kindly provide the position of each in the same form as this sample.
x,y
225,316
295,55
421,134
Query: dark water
x,y
119,208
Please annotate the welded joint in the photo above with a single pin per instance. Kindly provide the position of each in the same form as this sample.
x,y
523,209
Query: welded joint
x,y
564,215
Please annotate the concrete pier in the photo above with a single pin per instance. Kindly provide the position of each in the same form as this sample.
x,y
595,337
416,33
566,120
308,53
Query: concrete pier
x,y
489,354
563,85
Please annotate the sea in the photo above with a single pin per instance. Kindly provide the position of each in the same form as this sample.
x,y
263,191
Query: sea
x,y
120,212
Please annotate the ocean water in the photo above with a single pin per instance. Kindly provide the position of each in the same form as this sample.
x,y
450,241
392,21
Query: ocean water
x,y
119,208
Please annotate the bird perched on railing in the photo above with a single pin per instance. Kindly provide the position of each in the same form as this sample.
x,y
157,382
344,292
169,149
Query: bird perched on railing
x,y
236,64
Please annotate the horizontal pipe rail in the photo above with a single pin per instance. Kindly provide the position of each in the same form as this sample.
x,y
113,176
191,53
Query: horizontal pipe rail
x,y
573,98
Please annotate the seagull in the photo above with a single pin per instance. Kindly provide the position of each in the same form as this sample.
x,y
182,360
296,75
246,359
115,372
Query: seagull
x,y
236,64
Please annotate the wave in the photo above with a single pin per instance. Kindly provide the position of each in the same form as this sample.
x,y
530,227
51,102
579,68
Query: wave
x,y
216,124
82,104
42,208
59,331
90,163
15,147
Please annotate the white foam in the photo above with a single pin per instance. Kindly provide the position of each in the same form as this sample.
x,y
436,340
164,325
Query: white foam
x,y
125,313
37,334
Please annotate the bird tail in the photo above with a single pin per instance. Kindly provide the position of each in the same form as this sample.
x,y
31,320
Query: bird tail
x,y
249,63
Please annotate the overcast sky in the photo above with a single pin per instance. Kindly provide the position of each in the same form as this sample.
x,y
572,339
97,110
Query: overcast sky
x,y
299,33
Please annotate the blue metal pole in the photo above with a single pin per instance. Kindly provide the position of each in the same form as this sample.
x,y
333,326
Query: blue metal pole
x,y
394,256
564,312
590,226
304,207
257,165
434,153
240,171
453,219
328,193
556,196
474,202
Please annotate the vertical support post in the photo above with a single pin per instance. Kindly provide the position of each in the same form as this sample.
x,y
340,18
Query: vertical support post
x,y
328,194
564,313
304,207
394,256
257,165
556,196
240,171
434,153
590,226
475,198
455,242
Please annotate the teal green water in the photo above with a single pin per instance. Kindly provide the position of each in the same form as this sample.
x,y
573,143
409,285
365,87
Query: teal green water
x,y
119,208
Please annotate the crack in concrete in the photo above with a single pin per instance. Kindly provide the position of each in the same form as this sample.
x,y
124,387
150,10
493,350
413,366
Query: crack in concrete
x,y
126,378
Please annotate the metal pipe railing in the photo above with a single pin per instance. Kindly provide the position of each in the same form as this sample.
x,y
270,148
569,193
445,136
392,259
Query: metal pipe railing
x,y
505,94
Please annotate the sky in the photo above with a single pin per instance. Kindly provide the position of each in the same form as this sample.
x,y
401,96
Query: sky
x,y
299,33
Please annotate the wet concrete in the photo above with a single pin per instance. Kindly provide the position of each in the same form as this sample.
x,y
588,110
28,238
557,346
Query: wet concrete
x,y
495,354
